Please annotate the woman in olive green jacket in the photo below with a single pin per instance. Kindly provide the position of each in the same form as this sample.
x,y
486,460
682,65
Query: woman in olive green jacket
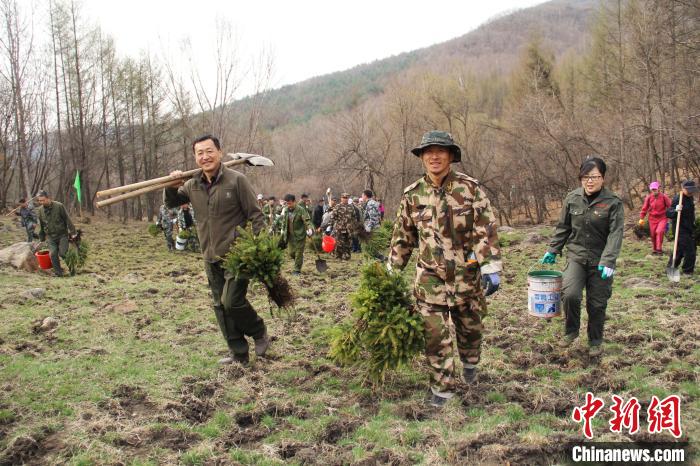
x,y
591,226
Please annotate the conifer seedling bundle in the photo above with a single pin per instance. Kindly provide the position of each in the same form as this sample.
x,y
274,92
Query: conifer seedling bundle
x,y
153,229
259,257
76,256
377,243
387,332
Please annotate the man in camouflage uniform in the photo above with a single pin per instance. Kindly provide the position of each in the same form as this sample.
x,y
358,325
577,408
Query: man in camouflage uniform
x,y
166,220
343,223
28,219
447,216
370,207
186,223
56,228
295,225
268,211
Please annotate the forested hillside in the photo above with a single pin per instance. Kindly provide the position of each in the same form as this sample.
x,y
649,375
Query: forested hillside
x,y
494,47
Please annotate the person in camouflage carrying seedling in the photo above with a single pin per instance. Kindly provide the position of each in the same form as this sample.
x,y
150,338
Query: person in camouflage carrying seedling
x,y
447,216
343,223
295,225
166,220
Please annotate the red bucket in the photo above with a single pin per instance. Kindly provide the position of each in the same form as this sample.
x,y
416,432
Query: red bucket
x,y
44,259
328,243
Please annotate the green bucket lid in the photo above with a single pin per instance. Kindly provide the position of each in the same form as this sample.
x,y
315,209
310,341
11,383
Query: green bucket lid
x,y
545,274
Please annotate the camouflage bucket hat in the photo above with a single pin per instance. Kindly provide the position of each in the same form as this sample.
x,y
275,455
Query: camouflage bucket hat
x,y
438,138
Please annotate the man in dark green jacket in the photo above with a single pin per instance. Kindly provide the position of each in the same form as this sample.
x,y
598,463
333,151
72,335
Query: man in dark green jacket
x,y
591,226
54,227
224,200
295,225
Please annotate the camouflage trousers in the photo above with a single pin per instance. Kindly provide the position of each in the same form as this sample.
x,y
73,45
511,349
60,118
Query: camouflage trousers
x,y
168,233
29,228
438,339
343,245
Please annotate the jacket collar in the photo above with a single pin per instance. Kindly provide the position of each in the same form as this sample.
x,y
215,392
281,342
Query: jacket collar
x,y
217,177
605,193
446,183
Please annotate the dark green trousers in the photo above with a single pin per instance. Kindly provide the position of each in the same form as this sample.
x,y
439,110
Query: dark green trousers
x,y
296,252
236,317
57,250
576,278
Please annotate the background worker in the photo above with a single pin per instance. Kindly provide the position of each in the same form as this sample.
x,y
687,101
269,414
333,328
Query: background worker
x,y
28,219
295,225
55,226
687,243
166,220
655,204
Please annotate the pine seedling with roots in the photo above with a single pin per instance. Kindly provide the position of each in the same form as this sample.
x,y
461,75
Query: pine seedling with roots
x,y
76,256
386,333
259,257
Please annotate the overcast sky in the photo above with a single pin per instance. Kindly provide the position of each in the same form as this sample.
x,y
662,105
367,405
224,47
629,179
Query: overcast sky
x,y
306,37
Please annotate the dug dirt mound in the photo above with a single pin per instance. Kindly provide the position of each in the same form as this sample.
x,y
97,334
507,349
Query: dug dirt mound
x,y
30,448
127,402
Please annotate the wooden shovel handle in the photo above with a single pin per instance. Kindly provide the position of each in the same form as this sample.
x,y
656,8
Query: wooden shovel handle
x,y
138,192
158,181
678,227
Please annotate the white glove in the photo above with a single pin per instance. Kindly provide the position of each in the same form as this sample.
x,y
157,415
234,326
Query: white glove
x,y
310,232
328,191
368,229
679,207
388,266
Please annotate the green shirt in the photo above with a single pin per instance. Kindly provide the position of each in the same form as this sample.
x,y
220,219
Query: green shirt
x,y
300,221
591,232
54,221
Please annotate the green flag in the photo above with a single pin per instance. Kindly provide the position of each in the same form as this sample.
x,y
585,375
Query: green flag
x,y
76,185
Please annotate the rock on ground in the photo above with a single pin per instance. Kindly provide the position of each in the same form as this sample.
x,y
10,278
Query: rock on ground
x,y
19,256
33,293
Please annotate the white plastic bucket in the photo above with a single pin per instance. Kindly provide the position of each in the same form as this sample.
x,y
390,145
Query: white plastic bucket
x,y
180,243
544,293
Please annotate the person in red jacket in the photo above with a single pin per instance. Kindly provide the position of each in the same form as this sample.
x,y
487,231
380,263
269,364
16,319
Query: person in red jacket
x,y
655,204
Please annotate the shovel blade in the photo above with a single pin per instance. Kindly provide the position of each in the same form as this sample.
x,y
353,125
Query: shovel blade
x,y
321,265
673,274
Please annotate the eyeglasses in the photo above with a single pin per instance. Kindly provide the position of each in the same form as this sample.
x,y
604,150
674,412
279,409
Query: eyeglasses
x,y
591,178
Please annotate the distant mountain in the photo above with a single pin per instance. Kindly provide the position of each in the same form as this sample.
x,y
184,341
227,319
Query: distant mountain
x,y
561,25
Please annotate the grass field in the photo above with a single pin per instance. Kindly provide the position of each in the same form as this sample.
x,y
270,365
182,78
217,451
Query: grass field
x,y
130,376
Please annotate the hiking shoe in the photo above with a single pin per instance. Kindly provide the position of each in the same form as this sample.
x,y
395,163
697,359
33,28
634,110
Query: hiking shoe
x,y
595,351
469,374
567,340
235,357
436,401
262,344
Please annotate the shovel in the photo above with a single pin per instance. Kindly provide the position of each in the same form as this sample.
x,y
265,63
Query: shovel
x,y
321,264
672,272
